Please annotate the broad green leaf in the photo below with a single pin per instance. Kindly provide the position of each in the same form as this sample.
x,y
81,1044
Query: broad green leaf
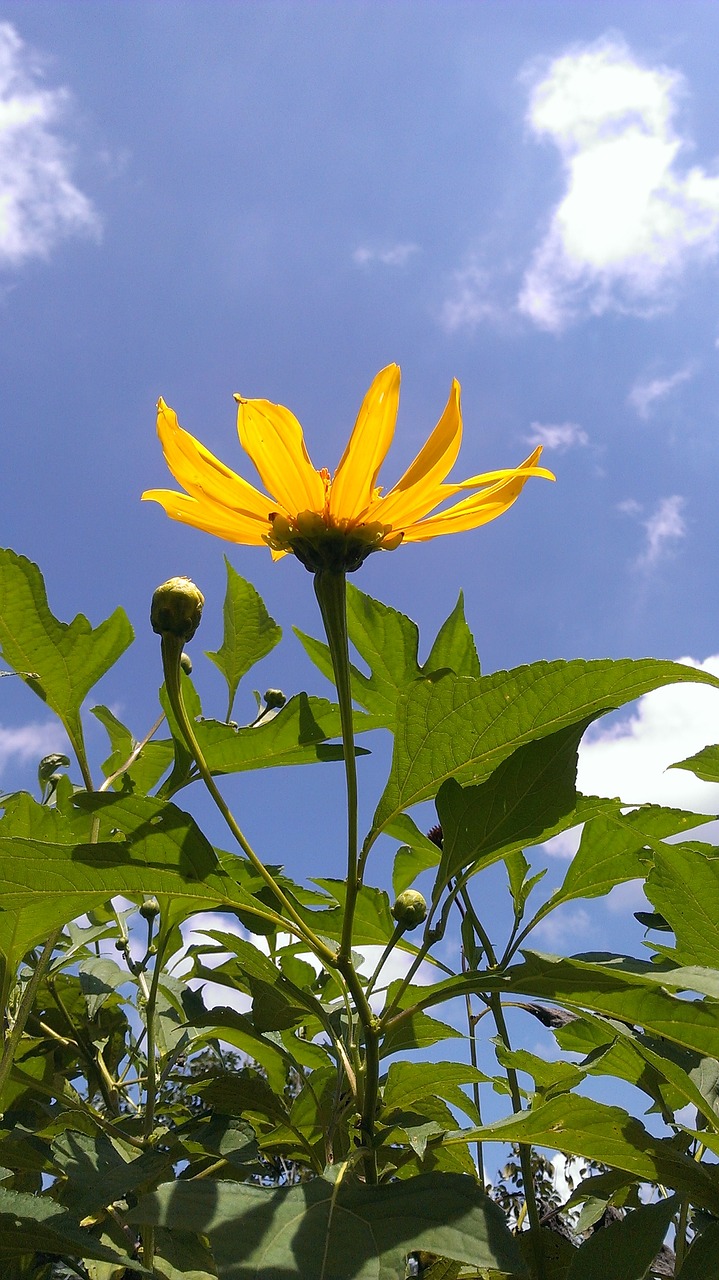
x,y
454,647
702,1260
626,1248
298,734
455,727
409,1082
65,659
249,632
180,1255
684,886
417,1031
529,796
615,847
344,1230
626,989
704,765
153,761
582,1127
417,855
29,1224
222,1023
95,1172
550,1078
388,642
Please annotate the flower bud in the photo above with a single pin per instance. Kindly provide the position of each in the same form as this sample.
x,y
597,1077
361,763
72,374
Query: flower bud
x,y
186,664
150,908
177,608
410,909
274,699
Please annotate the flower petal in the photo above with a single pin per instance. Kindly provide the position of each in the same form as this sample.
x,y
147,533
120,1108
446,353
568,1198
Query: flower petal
x,y
273,438
354,481
480,508
230,525
201,474
420,489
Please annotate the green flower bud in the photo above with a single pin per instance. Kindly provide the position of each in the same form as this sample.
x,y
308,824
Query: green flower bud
x,y
274,698
410,909
177,608
150,908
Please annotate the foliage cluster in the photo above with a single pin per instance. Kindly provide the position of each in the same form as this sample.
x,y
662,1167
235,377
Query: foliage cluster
x,y
326,1122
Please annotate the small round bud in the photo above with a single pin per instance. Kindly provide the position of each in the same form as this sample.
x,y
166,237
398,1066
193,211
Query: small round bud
x,y
150,909
274,698
410,909
177,608
186,663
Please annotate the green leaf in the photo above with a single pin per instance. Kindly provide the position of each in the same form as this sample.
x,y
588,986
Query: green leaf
x,y
344,1230
298,734
415,1032
616,847
410,1082
702,1260
180,1255
455,727
684,886
96,1174
529,796
417,855
612,985
454,647
29,1224
66,659
153,761
250,633
582,1127
704,765
626,1248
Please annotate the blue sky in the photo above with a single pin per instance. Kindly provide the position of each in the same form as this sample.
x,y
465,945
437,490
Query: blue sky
x,y
280,199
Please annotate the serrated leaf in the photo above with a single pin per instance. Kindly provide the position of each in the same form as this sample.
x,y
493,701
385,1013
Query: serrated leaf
x,y
704,765
454,647
529,796
580,1126
456,727
344,1230
683,885
249,632
67,659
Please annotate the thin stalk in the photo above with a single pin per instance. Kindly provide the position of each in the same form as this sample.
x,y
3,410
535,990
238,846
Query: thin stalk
x,y
171,654
136,751
331,592
12,1040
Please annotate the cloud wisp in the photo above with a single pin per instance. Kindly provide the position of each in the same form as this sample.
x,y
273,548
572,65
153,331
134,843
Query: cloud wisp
x,y
647,391
558,436
632,217
394,255
39,202
29,742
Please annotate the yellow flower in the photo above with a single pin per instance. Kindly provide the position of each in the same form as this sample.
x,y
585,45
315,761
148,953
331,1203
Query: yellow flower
x,y
331,522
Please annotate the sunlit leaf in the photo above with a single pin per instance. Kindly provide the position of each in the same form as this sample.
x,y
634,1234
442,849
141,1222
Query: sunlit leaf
x,y
249,632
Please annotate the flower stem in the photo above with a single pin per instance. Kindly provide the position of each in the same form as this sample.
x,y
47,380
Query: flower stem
x,y
331,592
171,653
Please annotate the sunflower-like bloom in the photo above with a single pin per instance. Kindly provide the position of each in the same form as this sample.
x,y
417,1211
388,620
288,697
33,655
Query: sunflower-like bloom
x,y
331,522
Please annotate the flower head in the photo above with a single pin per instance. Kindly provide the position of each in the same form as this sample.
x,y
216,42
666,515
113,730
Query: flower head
x,y
332,522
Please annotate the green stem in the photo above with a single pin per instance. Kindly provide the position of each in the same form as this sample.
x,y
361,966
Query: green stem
x,y
172,648
12,1040
331,592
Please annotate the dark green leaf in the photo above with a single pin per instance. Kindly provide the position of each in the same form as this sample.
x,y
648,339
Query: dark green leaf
x,y
684,886
337,1231
35,1223
96,1174
702,1260
250,633
626,1248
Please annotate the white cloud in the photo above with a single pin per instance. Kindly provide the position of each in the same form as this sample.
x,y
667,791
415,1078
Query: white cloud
x,y
30,742
560,436
646,392
395,255
664,528
632,758
564,924
630,220
39,202
469,302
